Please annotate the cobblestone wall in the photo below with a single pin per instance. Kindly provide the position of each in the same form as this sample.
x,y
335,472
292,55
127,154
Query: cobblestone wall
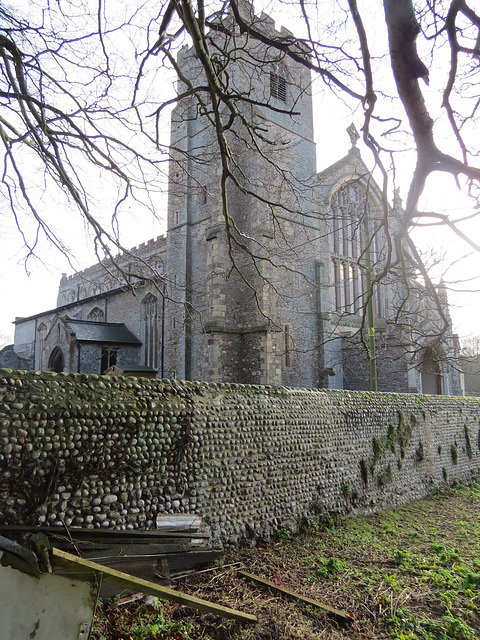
x,y
115,452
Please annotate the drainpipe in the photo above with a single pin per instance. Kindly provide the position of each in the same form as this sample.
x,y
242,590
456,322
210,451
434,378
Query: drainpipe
x,y
188,259
370,313
78,358
35,346
162,350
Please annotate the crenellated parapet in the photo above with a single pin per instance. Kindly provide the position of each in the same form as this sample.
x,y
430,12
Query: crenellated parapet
x,y
145,259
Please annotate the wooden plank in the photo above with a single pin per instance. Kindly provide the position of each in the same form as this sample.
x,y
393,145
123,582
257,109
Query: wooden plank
x,y
181,560
146,566
106,534
95,550
337,613
150,588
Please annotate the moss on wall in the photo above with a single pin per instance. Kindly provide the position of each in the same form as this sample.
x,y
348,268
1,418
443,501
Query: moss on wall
x,y
117,452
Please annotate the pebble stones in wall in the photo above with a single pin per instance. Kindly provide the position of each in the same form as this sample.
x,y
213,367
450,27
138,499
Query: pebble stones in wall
x,y
101,452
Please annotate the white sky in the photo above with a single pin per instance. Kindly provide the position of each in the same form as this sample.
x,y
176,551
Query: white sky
x,y
28,290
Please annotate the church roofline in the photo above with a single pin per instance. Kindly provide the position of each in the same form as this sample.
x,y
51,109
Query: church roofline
x,y
101,332
353,155
70,305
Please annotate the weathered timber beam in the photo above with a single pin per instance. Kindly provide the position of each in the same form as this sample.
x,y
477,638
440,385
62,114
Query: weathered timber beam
x,y
337,613
73,562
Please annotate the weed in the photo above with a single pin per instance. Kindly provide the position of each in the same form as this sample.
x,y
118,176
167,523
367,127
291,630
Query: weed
x,y
284,534
474,495
388,528
392,438
392,580
468,442
329,521
444,474
419,453
449,628
385,477
404,432
471,580
314,525
447,556
346,491
405,626
138,621
330,568
364,471
379,446
454,453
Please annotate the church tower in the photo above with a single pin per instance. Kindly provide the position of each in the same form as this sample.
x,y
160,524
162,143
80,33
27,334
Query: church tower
x,y
244,237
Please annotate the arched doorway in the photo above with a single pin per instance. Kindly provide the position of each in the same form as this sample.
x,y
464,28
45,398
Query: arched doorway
x,y
431,374
56,362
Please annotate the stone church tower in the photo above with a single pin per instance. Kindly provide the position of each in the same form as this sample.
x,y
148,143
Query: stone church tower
x,y
245,268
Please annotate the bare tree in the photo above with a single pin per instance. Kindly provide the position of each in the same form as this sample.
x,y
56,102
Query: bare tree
x,y
62,124
471,347
66,125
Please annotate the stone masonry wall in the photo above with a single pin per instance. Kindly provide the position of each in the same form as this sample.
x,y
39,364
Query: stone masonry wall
x,y
115,452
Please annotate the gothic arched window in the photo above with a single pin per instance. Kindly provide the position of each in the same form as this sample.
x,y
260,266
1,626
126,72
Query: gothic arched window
x,y
351,209
42,335
432,379
56,362
108,358
96,315
150,330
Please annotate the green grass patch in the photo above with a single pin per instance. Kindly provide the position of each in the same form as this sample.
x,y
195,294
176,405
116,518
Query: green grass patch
x,y
406,573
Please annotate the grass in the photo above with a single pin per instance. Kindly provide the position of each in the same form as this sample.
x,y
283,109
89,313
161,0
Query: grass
x,y
407,573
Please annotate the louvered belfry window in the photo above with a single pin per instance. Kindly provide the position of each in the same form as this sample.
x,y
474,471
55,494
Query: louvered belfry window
x,y
278,86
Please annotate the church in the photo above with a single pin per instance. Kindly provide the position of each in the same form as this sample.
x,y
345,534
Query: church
x,y
266,267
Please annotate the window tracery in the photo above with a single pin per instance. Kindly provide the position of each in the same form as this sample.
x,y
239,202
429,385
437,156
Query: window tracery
x,y
108,359
351,210
42,336
150,330
96,315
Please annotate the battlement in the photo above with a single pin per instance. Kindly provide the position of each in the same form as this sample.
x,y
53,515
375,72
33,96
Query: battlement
x,y
143,250
102,277
264,23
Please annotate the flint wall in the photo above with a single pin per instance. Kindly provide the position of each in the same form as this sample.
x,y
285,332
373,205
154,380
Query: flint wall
x,y
116,452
